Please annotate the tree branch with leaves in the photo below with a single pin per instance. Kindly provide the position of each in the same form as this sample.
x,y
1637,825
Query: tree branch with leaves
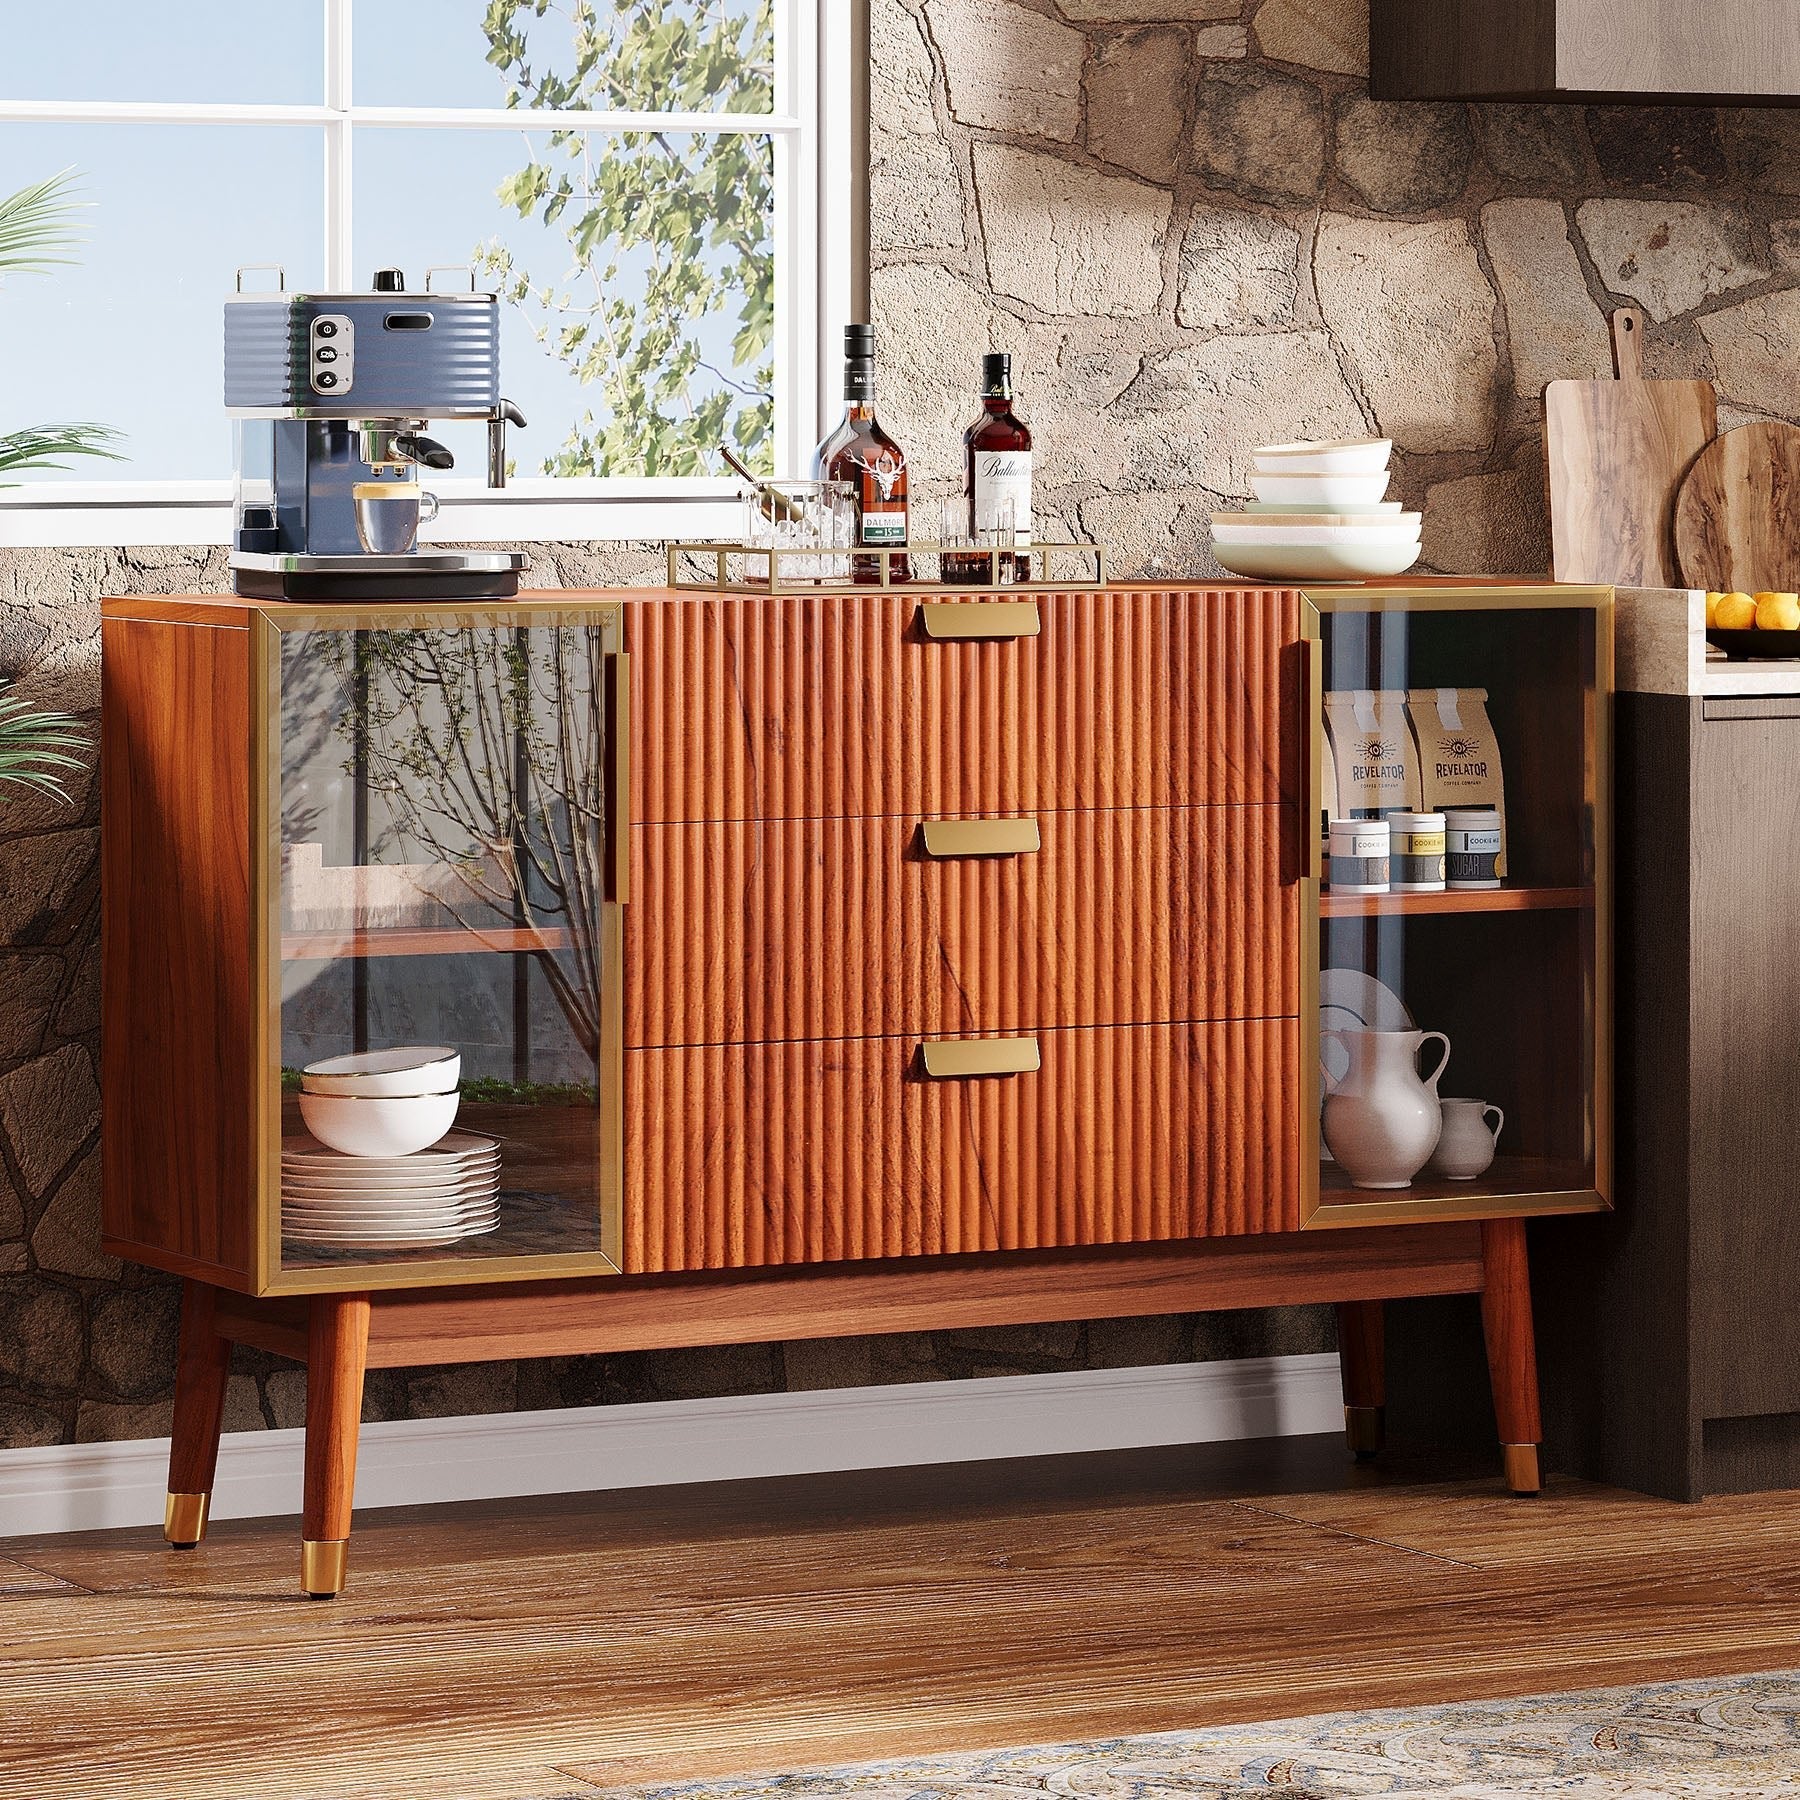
x,y
486,750
667,232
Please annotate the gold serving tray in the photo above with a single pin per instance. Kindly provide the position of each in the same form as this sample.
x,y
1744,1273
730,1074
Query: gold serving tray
x,y
730,568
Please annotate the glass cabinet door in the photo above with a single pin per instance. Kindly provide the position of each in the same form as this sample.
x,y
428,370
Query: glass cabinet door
x,y
1461,763
447,808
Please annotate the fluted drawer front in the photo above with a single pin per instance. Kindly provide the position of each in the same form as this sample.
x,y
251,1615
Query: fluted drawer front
x,y
744,1155
842,706
827,928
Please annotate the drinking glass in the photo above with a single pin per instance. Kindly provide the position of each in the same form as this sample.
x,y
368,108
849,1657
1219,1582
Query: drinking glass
x,y
959,563
389,514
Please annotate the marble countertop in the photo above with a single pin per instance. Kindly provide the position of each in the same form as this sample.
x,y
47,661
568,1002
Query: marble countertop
x,y
1659,637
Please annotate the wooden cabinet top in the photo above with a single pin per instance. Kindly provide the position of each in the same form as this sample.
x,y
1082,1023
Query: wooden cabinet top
x,y
235,610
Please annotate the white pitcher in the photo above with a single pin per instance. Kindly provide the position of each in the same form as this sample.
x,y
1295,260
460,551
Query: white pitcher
x,y
1469,1139
1381,1119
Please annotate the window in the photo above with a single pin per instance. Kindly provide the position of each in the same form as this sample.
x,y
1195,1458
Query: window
x,y
654,186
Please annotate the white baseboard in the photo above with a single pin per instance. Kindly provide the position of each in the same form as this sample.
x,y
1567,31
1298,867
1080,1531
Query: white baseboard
x,y
403,1462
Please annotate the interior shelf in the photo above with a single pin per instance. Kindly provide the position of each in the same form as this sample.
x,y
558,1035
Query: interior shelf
x,y
450,940
1506,1175
550,1203
1457,900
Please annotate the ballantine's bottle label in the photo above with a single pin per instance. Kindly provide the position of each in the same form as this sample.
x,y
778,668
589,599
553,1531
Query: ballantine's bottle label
x,y
1002,475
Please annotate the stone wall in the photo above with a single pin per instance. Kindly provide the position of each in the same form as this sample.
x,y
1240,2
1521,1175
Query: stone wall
x,y
87,1344
1196,233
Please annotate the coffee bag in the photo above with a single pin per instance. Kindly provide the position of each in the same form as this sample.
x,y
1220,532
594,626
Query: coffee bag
x,y
1373,754
1459,756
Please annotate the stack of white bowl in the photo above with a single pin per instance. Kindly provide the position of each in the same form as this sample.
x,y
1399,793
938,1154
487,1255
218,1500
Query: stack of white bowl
x,y
382,1166
1319,515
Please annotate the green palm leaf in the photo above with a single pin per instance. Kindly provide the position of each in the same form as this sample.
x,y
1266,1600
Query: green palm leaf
x,y
44,446
35,745
36,224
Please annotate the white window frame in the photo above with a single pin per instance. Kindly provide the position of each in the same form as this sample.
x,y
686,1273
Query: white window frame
x,y
814,131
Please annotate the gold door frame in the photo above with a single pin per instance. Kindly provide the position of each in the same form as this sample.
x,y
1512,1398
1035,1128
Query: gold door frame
x,y
268,624
1315,1213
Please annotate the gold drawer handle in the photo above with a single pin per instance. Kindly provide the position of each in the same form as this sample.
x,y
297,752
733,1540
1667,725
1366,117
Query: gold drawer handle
x,y
950,1057
981,837
979,618
618,823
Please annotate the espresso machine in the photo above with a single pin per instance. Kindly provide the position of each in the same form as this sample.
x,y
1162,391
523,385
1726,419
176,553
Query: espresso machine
x,y
331,395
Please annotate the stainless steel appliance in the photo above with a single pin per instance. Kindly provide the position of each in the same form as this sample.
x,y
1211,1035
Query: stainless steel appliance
x,y
331,394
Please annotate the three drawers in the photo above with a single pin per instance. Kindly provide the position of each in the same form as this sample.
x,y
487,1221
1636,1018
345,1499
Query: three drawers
x,y
868,824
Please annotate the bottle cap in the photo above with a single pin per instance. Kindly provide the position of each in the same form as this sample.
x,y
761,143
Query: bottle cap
x,y
996,370
859,340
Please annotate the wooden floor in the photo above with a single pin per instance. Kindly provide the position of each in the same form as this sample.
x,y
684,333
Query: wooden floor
x,y
553,1648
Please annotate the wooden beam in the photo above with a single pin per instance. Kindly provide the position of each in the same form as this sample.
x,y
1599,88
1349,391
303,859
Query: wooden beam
x,y
414,1326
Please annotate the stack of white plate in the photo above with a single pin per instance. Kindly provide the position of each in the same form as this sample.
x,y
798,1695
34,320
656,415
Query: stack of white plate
x,y
1319,515
434,1196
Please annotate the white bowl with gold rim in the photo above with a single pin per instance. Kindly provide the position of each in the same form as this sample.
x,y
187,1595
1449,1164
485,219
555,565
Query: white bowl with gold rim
x,y
1339,559
383,1125
1327,456
404,1070
1321,491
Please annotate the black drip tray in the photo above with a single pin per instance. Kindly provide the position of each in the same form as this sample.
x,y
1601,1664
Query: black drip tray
x,y
345,589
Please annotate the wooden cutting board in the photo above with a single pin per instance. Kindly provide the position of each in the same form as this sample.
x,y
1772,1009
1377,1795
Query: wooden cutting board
x,y
1617,452
1737,517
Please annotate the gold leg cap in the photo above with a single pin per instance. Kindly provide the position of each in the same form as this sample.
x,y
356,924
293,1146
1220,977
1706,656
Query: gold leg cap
x,y
322,1563
1366,1428
1522,1467
184,1519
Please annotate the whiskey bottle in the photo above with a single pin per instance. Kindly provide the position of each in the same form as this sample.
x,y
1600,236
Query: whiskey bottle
x,y
858,451
997,467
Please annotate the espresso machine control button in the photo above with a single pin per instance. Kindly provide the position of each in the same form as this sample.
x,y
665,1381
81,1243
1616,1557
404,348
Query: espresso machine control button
x,y
332,352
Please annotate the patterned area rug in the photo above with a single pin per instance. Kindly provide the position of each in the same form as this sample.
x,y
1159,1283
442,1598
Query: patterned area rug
x,y
1734,1738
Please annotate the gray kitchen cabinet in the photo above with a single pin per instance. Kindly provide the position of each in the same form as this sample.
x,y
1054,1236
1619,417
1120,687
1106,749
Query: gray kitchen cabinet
x,y
1671,1330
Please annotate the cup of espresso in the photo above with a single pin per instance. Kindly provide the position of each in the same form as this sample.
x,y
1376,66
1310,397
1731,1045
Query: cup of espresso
x,y
389,514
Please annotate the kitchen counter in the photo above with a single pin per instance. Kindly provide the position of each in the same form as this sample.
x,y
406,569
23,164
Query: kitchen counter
x,y
1660,641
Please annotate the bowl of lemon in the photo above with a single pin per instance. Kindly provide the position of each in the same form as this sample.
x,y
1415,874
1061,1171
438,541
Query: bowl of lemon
x,y
1765,624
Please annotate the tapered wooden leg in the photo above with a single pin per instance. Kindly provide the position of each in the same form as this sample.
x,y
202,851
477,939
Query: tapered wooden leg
x,y
1511,1349
202,1365
337,1351
1362,1364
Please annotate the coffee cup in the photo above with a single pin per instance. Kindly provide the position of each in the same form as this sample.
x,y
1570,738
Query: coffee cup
x,y
389,514
1467,1141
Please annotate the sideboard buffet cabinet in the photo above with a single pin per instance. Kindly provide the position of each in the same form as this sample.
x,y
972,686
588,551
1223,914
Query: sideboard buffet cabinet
x,y
858,961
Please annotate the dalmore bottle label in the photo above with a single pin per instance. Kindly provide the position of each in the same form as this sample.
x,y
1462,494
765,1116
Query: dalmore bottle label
x,y
883,514
1002,475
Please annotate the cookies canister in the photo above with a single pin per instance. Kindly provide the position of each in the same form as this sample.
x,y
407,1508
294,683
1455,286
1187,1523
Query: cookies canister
x,y
1416,852
1472,846
1356,859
